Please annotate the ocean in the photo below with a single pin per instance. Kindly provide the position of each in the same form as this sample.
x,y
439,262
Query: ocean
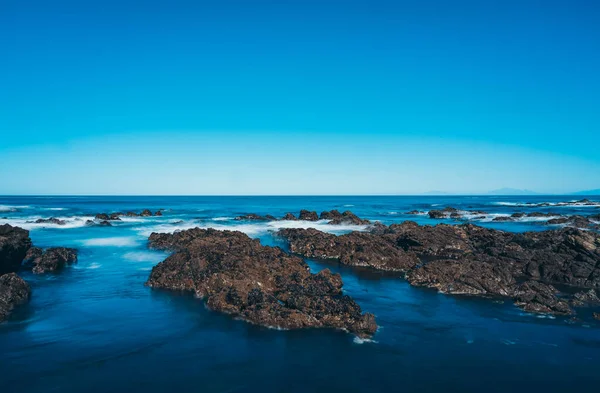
x,y
95,327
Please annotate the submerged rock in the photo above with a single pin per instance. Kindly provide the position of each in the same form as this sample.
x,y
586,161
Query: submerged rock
x,y
255,217
347,217
586,298
289,217
503,219
14,291
14,243
51,259
262,285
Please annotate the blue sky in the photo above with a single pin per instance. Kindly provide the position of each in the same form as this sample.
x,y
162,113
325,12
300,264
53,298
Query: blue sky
x,y
298,97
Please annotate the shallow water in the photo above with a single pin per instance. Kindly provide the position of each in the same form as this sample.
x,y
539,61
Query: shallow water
x,y
96,327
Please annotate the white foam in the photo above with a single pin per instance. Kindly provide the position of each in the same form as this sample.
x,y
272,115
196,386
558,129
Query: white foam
x,y
12,208
55,208
256,229
549,204
29,224
358,340
144,256
222,218
111,242
94,266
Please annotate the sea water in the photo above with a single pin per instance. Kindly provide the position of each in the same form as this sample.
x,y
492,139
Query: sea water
x,y
95,327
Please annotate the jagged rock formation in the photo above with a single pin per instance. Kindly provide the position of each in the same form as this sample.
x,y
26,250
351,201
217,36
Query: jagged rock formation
x,y
51,259
468,259
14,243
14,291
262,285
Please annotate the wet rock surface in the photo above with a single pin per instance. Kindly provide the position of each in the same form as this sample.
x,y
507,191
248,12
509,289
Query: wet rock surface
x,y
255,217
468,259
262,285
14,291
14,243
49,260
117,215
50,220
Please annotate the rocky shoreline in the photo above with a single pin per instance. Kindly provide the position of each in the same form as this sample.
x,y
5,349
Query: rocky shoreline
x,y
262,285
334,217
17,253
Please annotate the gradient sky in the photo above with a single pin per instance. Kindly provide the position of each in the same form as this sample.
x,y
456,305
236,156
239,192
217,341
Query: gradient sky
x,y
298,97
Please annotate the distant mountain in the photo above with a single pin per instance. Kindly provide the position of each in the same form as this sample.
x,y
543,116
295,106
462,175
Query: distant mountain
x,y
512,191
588,192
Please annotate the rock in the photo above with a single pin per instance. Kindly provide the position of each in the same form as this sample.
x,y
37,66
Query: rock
x,y
583,298
517,215
468,276
158,213
289,217
503,219
252,217
14,291
436,214
533,296
105,224
353,249
539,214
415,212
51,259
14,243
262,285
50,220
306,215
102,216
347,217
131,214
467,259
558,221
115,216
146,213
596,315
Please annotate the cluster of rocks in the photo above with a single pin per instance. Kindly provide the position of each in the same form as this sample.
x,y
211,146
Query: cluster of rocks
x,y
103,219
334,217
470,260
576,221
262,285
16,248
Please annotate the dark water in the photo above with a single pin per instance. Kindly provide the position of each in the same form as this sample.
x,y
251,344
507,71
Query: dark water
x,y
96,327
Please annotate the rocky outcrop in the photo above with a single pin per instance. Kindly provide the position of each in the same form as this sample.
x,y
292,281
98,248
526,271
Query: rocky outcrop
x,y
586,298
353,249
307,215
50,260
51,220
347,217
289,217
116,216
444,213
468,259
262,285
255,217
14,291
14,243
503,219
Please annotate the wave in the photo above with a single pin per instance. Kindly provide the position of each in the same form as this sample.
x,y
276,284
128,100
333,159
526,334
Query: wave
x,y
358,340
255,229
30,224
55,208
222,218
581,203
12,208
145,256
111,242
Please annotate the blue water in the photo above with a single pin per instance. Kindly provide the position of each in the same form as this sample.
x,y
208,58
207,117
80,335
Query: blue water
x,y
96,327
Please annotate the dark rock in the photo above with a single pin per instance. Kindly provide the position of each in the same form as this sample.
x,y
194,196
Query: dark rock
x,y
347,217
14,243
131,214
517,215
14,291
51,259
353,249
105,224
533,296
583,298
102,216
289,217
558,221
503,219
50,220
252,217
455,215
436,214
307,215
115,216
146,213
415,212
596,315
262,285
540,214
158,213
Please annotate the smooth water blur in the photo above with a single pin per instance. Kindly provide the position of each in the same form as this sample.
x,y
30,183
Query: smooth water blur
x,y
95,327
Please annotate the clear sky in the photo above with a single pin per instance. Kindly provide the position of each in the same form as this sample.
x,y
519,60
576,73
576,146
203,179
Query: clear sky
x,y
298,97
